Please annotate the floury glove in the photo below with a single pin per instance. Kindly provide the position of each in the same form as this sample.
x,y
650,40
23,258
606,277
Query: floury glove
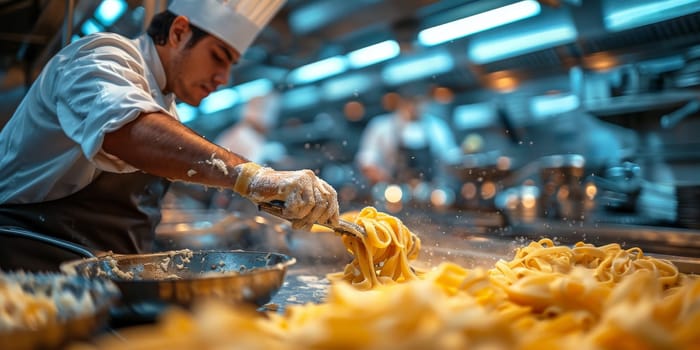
x,y
308,199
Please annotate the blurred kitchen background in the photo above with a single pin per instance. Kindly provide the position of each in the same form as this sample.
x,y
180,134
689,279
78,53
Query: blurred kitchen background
x,y
566,115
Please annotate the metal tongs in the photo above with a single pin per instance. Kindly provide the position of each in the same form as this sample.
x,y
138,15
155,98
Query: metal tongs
x,y
344,227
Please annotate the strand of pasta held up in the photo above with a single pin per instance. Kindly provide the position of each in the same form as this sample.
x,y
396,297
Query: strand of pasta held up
x,y
384,255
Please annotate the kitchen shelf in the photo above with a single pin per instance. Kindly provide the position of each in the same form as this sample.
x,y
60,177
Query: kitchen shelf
x,y
639,103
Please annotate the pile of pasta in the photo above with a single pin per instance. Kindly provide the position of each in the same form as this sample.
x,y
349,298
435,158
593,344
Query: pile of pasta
x,y
20,309
32,301
547,297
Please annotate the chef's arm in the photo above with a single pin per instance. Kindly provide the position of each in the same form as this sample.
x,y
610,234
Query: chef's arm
x,y
160,145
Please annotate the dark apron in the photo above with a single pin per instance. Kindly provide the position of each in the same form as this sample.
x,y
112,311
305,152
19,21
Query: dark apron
x,y
414,163
116,212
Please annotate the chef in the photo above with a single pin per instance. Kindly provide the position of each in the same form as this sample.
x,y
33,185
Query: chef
x,y
405,145
259,117
93,146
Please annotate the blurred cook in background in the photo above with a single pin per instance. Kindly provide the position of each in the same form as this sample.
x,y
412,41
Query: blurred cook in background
x,y
407,144
249,136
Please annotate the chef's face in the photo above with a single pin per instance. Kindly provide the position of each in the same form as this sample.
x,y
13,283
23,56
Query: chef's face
x,y
196,70
408,110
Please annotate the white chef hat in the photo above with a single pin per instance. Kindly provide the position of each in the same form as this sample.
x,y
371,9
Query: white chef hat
x,y
237,22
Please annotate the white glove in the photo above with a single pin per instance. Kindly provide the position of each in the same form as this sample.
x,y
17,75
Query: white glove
x,y
307,198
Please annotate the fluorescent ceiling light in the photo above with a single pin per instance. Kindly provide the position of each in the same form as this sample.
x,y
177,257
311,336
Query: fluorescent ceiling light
x,y
229,97
373,54
254,88
219,100
109,11
621,15
520,43
138,13
312,16
90,26
319,70
346,86
300,97
434,63
479,22
474,116
546,106
186,113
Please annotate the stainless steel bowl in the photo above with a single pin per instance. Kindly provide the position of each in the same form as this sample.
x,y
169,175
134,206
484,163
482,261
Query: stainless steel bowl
x,y
183,277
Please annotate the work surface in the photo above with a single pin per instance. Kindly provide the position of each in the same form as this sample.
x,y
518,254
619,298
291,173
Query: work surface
x,y
319,254
465,238
458,240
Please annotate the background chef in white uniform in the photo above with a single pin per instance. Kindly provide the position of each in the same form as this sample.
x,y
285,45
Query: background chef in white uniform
x,y
92,148
408,143
249,135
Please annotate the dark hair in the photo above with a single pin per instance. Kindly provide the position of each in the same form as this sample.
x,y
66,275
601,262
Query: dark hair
x,y
160,27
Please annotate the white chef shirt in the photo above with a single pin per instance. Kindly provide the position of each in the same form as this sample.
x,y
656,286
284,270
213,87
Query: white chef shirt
x,y
52,145
380,141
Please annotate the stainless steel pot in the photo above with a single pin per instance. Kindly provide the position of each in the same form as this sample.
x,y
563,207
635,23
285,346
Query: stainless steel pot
x,y
185,276
220,229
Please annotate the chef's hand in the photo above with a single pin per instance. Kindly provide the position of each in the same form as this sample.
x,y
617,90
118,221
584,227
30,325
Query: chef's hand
x,y
307,198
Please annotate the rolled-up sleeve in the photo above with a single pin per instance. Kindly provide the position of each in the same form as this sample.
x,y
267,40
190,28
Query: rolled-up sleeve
x,y
103,88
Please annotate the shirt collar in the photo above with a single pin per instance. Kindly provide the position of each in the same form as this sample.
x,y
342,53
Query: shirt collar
x,y
148,49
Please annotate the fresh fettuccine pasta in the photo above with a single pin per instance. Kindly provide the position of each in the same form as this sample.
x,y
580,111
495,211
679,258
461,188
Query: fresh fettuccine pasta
x,y
20,309
384,255
546,297
549,277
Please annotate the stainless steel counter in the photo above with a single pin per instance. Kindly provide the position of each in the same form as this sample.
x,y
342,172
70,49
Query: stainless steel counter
x,y
453,237
470,239
321,253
